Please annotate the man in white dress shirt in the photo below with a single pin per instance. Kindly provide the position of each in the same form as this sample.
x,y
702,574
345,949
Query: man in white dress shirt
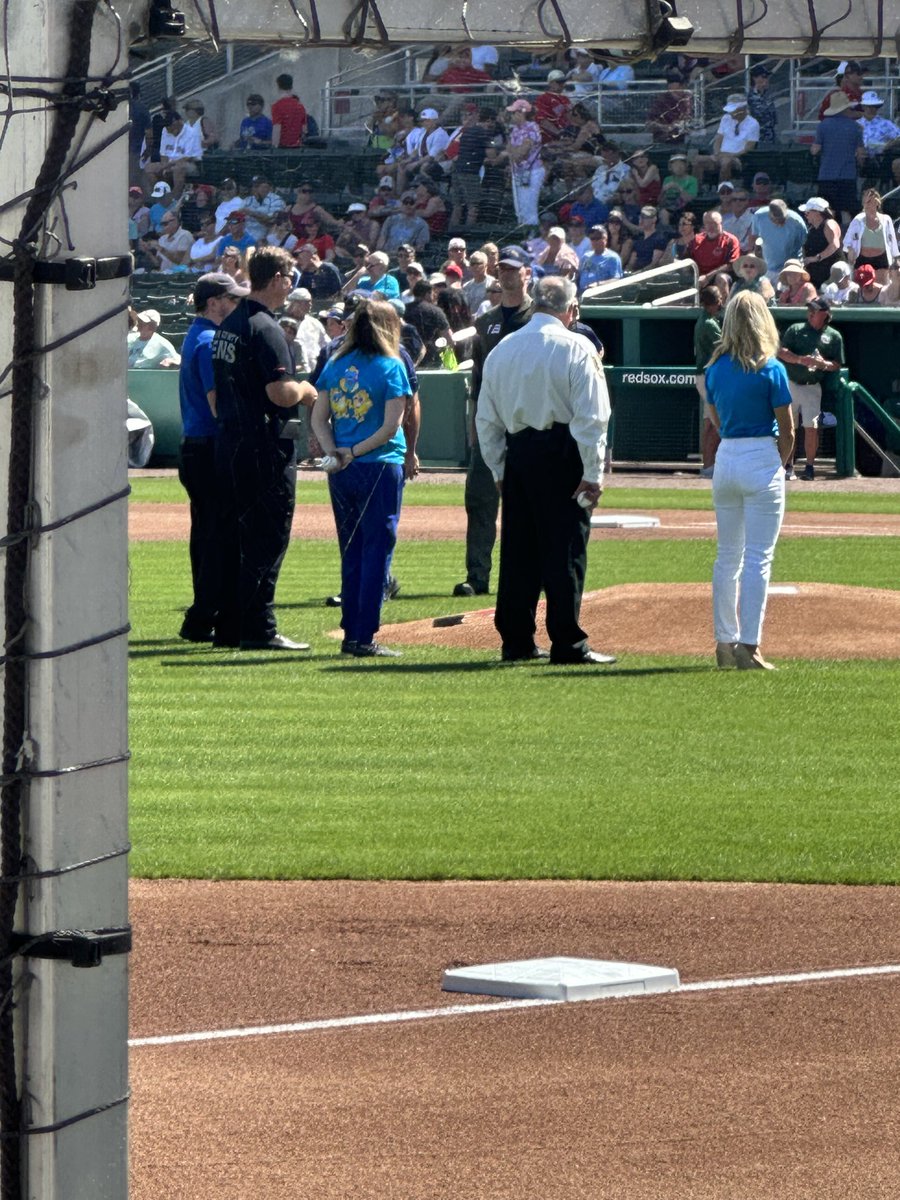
x,y
542,415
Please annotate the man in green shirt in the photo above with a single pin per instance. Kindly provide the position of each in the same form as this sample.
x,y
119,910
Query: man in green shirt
x,y
707,332
809,351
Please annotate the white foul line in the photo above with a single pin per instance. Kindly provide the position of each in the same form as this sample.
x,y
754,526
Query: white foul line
x,y
456,1010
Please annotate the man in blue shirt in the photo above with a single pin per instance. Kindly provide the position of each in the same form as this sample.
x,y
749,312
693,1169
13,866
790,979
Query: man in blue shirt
x,y
256,128
600,263
215,296
840,148
236,233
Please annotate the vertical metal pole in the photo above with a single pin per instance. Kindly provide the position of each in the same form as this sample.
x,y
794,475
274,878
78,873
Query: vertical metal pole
x,y
72,1023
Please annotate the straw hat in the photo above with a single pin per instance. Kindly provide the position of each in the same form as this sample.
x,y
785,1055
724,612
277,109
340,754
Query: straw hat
x,y
751,258
838,103
794,266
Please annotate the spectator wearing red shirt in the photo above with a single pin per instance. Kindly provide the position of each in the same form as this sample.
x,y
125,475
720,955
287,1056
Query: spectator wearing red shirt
x,y
288,116
713,250
849,79
461,76
551,108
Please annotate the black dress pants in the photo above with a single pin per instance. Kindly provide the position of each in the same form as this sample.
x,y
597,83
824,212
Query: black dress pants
x,y
482,504
259,484
543,543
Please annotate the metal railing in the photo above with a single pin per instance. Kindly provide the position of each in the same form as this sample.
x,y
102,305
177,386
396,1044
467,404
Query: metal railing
x,y
185,72
808,91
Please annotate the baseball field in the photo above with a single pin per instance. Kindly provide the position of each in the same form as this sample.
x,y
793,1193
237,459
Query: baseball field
x,y
316,839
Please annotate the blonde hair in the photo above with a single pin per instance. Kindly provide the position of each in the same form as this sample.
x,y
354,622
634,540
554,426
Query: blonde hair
x,y
374,329
749,333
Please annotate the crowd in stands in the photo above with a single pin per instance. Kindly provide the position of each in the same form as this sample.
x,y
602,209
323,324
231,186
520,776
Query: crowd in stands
x,y
449,170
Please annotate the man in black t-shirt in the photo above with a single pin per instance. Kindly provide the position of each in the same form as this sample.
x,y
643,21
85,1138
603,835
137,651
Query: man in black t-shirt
x,y
429,321
256,466
465,180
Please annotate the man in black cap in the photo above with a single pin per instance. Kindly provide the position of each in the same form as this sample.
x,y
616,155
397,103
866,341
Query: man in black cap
x,y
810,351
761,105
256,465
216,295
482,500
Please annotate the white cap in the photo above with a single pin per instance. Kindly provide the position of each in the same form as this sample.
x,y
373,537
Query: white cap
x,y
557,231
161,189
149,317
814,204
429,114
356,208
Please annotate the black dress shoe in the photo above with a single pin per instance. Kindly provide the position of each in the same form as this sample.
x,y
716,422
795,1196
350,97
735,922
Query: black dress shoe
x,y
332,602
536,652
190,632
469,589
587,658
348,646
277,642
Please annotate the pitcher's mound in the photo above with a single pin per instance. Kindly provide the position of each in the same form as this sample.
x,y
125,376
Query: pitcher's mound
x,y
803,620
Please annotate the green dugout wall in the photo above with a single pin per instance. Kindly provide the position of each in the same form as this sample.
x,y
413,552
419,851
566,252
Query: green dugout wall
x,y
650,369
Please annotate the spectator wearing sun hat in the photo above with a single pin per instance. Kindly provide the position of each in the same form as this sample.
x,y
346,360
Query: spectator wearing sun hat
x,y
881,137
840,150
849,80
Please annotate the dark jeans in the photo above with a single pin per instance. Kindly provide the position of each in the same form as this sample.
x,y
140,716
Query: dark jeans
x,y
482,505
543,543
366,499
197,472
259,483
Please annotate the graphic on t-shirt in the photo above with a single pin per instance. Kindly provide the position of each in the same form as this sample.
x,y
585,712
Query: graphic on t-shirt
x,y
348,399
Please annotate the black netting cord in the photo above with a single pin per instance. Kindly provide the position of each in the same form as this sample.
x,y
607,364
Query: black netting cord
x,y
24,381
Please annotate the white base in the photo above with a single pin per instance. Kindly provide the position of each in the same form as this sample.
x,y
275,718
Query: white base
x,y
623,521
783,589
560,978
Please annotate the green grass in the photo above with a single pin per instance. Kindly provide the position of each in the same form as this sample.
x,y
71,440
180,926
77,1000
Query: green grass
x,y
168,490
445,764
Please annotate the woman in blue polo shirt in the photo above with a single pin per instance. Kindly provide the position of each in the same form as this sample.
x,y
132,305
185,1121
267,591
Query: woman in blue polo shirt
x,y
357,418
750,404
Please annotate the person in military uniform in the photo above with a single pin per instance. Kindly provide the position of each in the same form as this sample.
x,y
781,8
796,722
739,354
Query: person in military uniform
x,y
542,418
810,350
482,501
256,466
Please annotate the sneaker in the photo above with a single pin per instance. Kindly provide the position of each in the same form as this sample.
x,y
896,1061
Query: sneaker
x,y
392,588
809,472
332,602
789,471
469,589
374,650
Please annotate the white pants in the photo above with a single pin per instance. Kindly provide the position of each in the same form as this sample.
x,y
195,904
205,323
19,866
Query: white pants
x,y
525,196
748,494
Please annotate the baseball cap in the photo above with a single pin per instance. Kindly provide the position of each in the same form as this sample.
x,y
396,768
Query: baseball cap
x,y
519,106
557,231
554,76
356,208
853,67
814,204
820,304
453,269
408,198
135,191
759,69
217,283
437,277
150,315
299,294
675,157
761,177
864,275
386,182
333,314
725,186
415,266
595,229
161,189
576,220
237,215
649,211
514,256
429,114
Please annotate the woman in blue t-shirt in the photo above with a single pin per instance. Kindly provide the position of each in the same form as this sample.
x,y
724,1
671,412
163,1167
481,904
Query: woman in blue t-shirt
x,y
357,418
750,403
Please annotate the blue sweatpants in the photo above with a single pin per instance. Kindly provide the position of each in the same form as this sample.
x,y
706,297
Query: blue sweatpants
x,y
366,499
